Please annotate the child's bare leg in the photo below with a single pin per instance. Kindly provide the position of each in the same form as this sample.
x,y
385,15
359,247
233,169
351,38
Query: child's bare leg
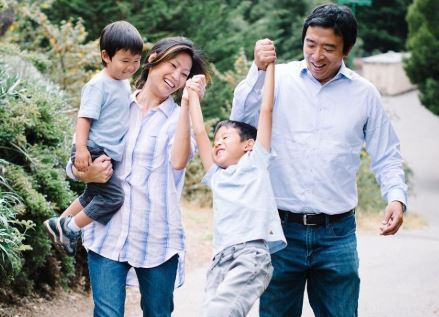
x,y
81,219
74,208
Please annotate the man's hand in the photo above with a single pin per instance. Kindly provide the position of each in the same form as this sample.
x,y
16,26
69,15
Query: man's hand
x,y
99,171
393,218
82,158
265,53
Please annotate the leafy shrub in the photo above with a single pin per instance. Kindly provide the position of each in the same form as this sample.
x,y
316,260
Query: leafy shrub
x,y
11,238
369,194
69,60
34,145
423,44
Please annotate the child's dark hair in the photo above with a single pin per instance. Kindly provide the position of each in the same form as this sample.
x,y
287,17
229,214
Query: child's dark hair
x,y
337,17
167,49
120,35
246,131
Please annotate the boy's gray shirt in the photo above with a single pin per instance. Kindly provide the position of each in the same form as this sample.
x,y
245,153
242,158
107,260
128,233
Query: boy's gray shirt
x,y
106,101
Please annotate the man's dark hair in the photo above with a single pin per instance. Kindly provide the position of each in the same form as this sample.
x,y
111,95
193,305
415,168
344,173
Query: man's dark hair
x,y
337,17
120,35
246,131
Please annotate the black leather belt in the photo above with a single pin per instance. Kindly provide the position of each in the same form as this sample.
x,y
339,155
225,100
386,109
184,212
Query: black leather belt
x,y
312,219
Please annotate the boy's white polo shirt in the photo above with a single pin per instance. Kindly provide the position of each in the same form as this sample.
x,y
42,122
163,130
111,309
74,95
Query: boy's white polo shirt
x,y
243,202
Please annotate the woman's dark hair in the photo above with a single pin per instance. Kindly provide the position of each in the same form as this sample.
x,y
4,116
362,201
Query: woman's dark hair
x,y
120,35
337,17
246,131
167,49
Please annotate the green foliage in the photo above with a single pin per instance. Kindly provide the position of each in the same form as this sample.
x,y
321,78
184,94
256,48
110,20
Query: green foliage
x,y
281,21
38,60
423,43
68,59
11,238
219,27
34,142
369,194
217,103
193,189
206,23
382,26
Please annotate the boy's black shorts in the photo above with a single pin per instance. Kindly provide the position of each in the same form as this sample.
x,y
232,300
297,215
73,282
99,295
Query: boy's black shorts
x,y
100,200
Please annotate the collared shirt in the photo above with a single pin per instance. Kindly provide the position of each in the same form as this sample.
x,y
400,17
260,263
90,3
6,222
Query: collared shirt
x,y
243,203
318,133
147,231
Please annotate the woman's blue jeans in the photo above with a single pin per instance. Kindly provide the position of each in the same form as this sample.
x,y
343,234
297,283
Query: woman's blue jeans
x,y
108,283
324,258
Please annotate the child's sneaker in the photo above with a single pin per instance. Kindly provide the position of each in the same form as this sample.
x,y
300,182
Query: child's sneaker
x,y
51,227
67,237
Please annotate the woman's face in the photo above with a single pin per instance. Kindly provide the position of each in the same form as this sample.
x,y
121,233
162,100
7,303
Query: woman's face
x,y
167,77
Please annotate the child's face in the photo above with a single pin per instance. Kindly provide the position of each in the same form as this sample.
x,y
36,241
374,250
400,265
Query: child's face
x,y
169,76
123,65
228,148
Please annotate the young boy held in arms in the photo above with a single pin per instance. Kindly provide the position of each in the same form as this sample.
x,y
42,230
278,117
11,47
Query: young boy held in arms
x,y
100,129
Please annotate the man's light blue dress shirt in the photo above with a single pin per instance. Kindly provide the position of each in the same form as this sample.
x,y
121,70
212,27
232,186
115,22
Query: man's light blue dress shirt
x,y
318,133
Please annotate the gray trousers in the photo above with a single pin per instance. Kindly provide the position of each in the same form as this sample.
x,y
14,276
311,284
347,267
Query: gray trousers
x,y
236,278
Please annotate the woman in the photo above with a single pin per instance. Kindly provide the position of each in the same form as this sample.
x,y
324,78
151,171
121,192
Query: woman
x,y
147,232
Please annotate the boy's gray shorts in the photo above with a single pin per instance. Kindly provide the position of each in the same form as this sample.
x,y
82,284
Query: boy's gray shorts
x,y
236,278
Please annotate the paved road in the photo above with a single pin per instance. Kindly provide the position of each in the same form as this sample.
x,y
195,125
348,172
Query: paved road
x,y
399,274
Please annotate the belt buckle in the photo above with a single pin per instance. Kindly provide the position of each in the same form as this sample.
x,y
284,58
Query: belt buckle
x,y
305,221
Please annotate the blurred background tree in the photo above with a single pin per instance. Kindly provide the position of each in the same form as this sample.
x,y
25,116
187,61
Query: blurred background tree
x,y
423,44
382,26
70,60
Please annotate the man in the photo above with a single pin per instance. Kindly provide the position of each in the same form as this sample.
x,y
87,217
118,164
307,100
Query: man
x,y
323,115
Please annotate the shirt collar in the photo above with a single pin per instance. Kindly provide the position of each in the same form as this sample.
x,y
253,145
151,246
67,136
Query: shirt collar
x,y
342,72
167,106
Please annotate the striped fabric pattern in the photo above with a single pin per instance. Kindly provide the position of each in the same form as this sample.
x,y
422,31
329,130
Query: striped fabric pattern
x,y
147,230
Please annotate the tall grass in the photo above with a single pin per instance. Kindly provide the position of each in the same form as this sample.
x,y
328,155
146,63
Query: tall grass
x,y
11,238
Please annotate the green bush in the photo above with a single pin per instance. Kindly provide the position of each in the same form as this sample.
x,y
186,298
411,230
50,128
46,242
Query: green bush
x,y
11,238
423,44
369,194
35,138
67,59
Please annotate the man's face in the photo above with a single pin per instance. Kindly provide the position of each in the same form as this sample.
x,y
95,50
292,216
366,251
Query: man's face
x,y
323,51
